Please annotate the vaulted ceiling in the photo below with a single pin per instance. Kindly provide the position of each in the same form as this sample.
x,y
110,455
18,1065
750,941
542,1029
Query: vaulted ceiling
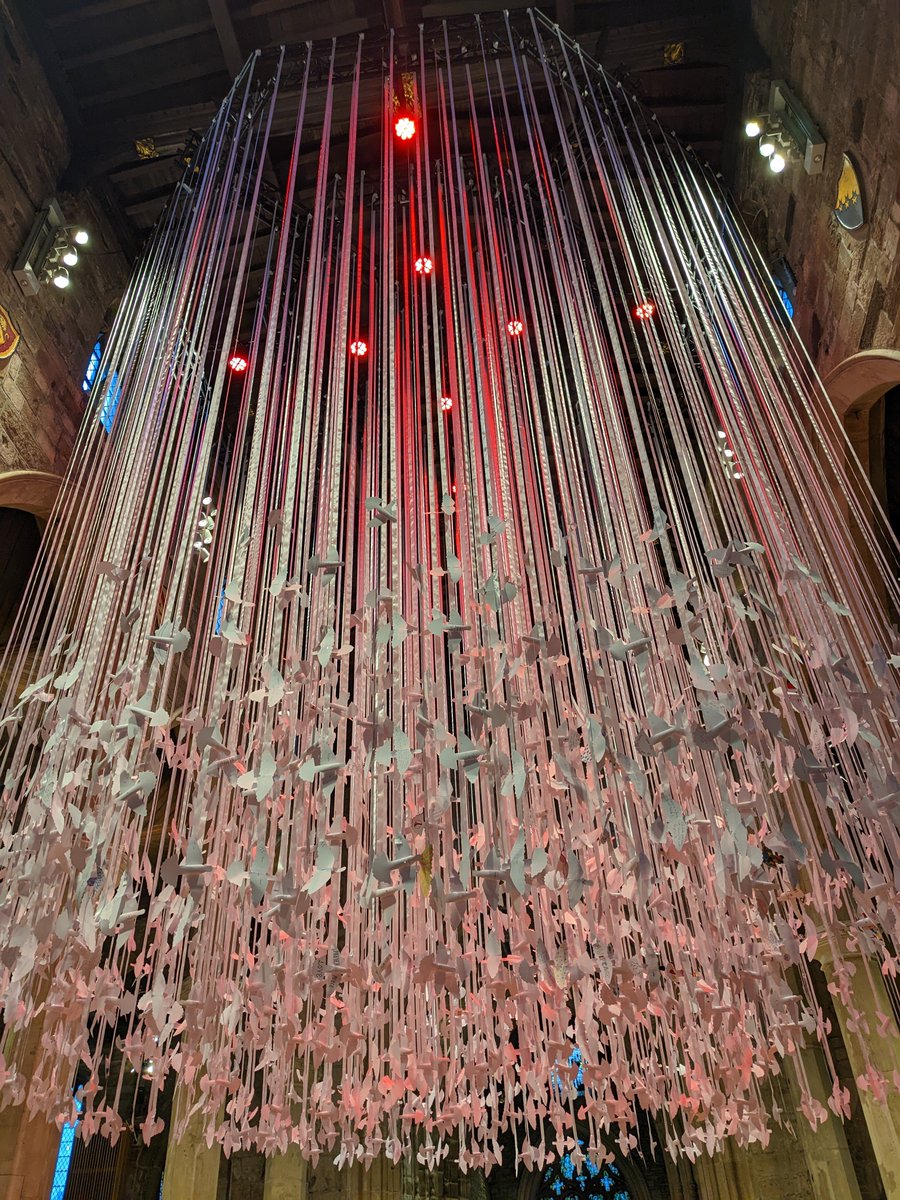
x,y
139,79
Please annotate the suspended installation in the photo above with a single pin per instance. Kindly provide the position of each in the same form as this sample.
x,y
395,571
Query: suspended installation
x,y
497,665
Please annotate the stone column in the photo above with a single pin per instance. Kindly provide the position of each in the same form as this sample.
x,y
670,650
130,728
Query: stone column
x,y
192,1167
446,1183
724,1176
287,1176
828,1158
871,1004
28,1145
382,1181
681,1178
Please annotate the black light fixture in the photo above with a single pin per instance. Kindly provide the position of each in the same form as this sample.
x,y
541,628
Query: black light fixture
x,y
50,250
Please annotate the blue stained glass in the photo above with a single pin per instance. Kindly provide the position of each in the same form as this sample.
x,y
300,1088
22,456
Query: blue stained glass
x,y
574,1060
220,611
786,300
63,1160
94,380
93,366
564,1180
110,402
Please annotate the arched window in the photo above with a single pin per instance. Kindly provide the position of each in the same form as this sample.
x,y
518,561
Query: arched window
x,y
563,1180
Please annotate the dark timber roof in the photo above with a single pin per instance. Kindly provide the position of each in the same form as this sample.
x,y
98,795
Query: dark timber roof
x,y
153,71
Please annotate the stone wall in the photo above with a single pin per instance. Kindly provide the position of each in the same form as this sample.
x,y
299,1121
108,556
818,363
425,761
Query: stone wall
x,y
41,402
840,57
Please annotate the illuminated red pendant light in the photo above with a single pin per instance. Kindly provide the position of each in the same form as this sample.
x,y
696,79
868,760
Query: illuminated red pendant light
x,y
643,310
405,127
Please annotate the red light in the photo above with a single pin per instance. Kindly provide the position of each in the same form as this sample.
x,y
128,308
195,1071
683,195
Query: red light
x,y
238,363
359,349
424,265
644,310
515,327
405,128
446,403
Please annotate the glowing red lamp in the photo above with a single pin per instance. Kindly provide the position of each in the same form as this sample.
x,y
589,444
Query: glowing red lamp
x,y
446,403
424,265
359,349
238,363
643,310
405,128
515,327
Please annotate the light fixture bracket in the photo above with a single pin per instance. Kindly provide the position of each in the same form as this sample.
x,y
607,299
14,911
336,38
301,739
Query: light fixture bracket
x,y
29,266
788,114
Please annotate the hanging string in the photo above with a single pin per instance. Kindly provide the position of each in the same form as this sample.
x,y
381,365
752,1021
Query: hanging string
x,y
486,672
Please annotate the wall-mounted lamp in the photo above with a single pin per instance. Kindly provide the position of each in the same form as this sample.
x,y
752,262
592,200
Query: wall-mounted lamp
x,y
49,251
787,132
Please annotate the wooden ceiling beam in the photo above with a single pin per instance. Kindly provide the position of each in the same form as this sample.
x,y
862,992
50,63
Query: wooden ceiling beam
x,y
394,14
565,16
76,13
136,85
134,45
231,50
234,60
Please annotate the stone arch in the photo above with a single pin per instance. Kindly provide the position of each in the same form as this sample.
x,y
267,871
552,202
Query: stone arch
x,y
862,379
26,501
865,392
32,492
855,388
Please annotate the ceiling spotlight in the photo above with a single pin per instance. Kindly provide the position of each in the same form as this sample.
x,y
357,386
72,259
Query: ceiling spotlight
x,y
61,277
70,258
405,128
515,327
424,265
359,349
238,363
81,237
753,128
777,163
446,403
766,147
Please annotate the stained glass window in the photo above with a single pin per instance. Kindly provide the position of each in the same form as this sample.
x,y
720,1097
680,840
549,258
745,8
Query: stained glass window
x,y
563,1180
785,284
63,1161
220,611
93,366
785,299
110,402
93,382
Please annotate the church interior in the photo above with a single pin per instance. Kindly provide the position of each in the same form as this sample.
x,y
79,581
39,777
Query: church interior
x,y
449,697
